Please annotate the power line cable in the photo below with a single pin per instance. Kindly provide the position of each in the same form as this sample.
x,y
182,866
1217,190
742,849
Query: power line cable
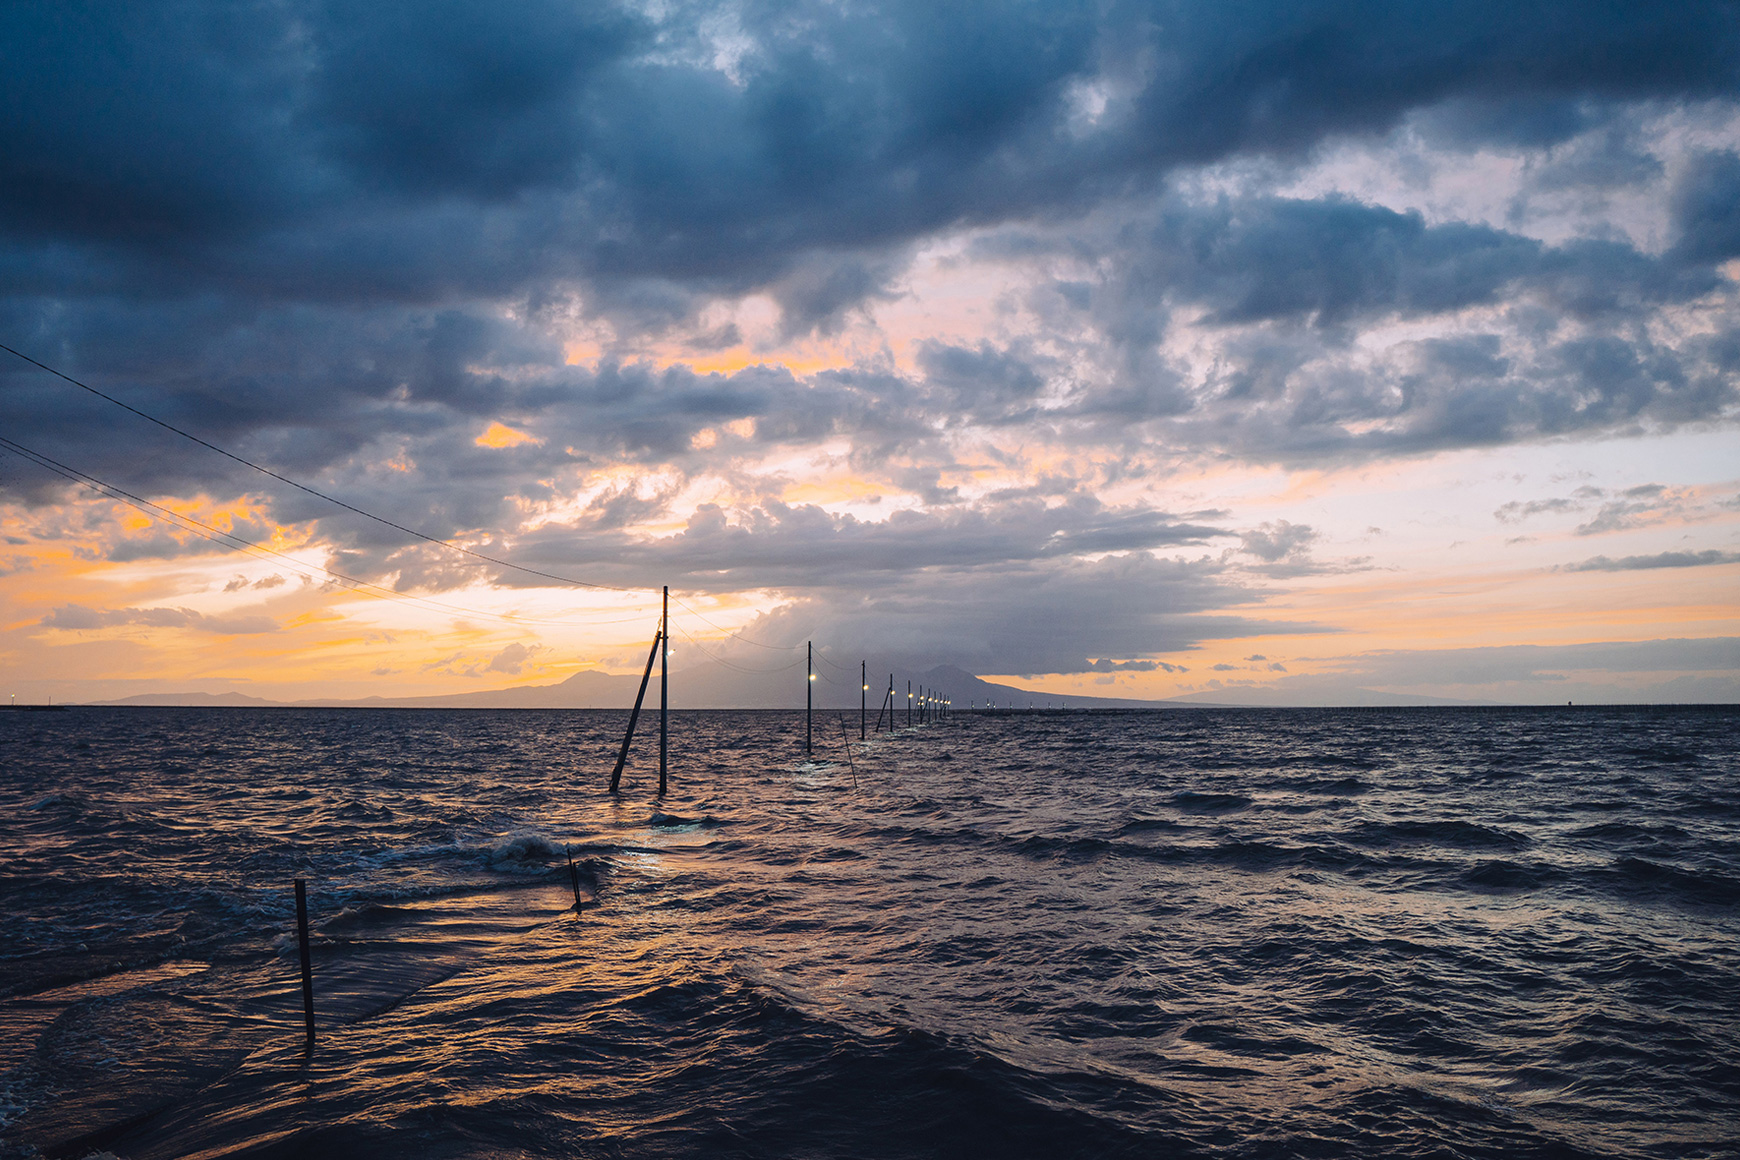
x,y
731,664
237,543
309,490
738,635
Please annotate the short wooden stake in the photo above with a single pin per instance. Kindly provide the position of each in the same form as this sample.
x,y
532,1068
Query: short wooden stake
x,y
307,962
574,877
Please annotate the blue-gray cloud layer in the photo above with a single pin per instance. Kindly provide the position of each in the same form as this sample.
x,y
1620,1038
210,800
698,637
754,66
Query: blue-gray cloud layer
x,y
331,235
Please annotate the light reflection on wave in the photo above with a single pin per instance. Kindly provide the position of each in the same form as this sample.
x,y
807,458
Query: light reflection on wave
x,y
1365,933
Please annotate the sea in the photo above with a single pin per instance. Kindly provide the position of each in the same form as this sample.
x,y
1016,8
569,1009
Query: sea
x,y
1435,932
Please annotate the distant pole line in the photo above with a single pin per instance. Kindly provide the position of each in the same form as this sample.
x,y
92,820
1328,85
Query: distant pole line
x,y
664,685
634,714
248,463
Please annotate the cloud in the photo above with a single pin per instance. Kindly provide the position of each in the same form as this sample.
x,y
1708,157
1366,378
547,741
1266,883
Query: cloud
x,y
512,659
1522,663
267,582
1109,666
360,243
1659,560
1277,541
1046,616
1517,510
1606,672
1706,208
77,618
1636,507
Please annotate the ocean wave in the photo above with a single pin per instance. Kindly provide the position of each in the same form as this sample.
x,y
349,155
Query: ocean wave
x,y
1448,832
1702,886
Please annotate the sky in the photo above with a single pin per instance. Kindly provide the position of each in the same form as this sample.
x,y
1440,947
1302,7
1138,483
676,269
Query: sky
x,y
1249,351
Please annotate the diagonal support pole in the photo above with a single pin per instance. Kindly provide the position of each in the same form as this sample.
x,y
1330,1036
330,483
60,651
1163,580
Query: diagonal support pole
x,y
621,758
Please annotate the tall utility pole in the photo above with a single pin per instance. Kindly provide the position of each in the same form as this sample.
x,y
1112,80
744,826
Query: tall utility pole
x,y
664,685
809,691
863,697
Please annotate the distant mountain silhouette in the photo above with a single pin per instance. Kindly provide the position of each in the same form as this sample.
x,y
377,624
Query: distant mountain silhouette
x,y
710,685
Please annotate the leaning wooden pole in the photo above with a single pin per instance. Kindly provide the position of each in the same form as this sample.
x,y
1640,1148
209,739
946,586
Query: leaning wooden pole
x,y
634,714
664,686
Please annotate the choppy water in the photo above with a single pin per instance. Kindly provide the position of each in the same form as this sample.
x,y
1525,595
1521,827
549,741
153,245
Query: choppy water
x,y
1444,933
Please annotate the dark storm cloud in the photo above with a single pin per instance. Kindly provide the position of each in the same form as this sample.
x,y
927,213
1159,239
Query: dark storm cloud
x,y
343,238
802,547
1706,208
1064,615
582,139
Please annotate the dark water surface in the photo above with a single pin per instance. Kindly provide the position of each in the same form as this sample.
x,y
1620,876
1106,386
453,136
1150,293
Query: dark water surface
x,y
1434,933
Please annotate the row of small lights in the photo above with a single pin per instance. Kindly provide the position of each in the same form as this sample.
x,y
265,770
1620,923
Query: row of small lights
x,y
938,700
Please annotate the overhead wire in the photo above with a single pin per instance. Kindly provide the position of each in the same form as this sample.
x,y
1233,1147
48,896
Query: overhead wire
x,y
730,632
735,667
361,585
238,543
248,463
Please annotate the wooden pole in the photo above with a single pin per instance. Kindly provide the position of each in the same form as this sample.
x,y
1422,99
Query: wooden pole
x,y
634,714
664,686
307,962
863,697
909,703
809,692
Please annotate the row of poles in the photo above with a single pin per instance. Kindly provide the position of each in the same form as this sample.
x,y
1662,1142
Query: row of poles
x,y
926,704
